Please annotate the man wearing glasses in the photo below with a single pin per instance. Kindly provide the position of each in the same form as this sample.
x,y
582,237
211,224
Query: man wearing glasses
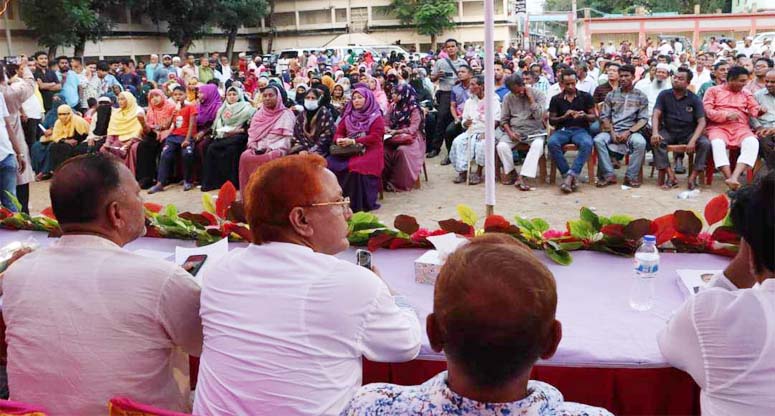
x,y
287,324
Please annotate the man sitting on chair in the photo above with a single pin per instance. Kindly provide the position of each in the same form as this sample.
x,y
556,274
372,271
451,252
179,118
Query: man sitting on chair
x,y
679,118
625,113
570,113
764,125
522,114
729,108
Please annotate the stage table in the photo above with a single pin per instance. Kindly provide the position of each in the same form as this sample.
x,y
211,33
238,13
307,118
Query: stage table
x,y
608,355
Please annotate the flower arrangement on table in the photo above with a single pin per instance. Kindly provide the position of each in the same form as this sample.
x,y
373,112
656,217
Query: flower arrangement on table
x,y
221,218
682,231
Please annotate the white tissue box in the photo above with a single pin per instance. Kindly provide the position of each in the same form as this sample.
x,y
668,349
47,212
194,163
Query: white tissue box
x,y
427,267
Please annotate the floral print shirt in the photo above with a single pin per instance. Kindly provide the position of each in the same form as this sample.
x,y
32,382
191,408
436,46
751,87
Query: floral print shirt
x,y
434,398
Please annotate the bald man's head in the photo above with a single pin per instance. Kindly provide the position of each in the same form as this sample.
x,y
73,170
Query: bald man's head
x,y
769,81
494,310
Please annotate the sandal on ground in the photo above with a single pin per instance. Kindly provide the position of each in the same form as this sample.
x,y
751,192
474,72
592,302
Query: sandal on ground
x,y
631,183
522,186
389,187
602,183
668,185
692,185
574,186
565,188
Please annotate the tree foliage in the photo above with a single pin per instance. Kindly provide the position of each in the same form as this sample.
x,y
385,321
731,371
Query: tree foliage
x,y
187,20
231,15
628,6
429,17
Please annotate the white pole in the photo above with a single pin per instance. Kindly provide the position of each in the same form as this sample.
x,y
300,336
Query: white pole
x,y
489,95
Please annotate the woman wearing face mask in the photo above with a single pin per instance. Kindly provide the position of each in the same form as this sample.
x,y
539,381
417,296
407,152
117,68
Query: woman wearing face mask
x,y
405,150
315,127
229,140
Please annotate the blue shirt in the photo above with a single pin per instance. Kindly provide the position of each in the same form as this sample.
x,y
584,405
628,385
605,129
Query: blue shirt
x,y
502,91
69,90
459,96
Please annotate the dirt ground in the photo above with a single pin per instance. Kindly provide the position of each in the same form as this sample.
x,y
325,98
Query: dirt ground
x,y
437,199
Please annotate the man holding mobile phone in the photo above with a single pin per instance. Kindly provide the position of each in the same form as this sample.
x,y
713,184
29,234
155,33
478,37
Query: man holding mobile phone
x,y
445,72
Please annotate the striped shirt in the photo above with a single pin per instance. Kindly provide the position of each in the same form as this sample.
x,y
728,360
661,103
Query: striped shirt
x,y
624,109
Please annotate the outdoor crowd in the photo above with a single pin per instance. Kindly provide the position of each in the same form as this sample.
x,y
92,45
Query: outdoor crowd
x,y
376,119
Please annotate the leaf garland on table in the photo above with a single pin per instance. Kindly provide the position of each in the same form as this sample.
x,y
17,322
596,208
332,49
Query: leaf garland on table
x,y
682,231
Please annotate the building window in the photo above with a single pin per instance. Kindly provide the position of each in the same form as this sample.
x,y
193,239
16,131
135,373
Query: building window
x,y
473,8
341,15
498,7
359,14
314,17
283,19
382,13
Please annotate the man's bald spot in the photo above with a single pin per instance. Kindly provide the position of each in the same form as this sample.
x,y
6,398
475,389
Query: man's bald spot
x,y
770,74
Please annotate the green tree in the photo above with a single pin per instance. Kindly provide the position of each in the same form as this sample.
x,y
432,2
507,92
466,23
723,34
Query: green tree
x,y
230,15
429,17
187,20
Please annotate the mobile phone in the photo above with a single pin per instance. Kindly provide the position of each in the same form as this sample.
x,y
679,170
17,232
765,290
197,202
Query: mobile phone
x,y
363,258
194,263
15,60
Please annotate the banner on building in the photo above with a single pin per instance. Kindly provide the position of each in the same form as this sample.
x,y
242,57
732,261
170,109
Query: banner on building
x,y
520,7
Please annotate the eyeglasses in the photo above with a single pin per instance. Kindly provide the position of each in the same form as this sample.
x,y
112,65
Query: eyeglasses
x,y
63,114
344,203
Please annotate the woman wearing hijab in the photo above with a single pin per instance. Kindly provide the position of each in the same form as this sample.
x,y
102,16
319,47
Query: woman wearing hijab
x,y
65,140
98,130
158,125
328,82
338,98
125,130
230,136
379,94
359,176
208,104
315,126
269,135
405,150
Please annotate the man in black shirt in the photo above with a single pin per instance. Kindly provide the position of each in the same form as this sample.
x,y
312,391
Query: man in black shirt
x,y
571,112
679,118
47,80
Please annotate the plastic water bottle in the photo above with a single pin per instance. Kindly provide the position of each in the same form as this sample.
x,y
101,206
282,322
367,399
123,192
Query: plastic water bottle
x,y
646,269
689,194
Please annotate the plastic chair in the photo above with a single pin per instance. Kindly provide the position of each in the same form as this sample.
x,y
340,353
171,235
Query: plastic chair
x,y
591,163
734,153
11,408
121,406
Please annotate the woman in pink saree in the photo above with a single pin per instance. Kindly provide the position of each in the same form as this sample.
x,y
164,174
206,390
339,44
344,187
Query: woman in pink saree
x,y
405,148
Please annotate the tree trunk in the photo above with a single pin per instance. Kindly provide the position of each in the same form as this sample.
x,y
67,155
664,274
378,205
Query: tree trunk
x,y
433,42
269,44
52,52
183,49
80,47
260,45
230,43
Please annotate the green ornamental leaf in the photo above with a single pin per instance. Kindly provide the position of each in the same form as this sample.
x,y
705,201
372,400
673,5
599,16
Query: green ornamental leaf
x,y
590,217
14,201
581,229
540,225
620,219
208,203
171,211
467,215
524,224
559,256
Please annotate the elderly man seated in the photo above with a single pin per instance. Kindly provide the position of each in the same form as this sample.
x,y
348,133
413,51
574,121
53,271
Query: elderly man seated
x,y
729,108
624,115
764,125
86,319
470,144
286,323
522,114
493,316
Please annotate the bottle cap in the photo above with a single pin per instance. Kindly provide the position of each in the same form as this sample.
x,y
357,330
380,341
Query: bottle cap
x,y
649,238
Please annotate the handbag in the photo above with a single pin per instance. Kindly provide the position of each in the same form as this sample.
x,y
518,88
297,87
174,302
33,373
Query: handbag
x,y
346,152
400,139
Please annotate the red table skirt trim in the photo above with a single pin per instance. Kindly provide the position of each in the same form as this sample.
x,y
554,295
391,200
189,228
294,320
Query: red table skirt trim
x,y
623,391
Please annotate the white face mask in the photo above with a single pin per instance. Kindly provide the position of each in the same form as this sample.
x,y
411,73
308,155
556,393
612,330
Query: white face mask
x,y
311,105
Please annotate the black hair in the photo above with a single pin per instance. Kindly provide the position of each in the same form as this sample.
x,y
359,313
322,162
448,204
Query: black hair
x,y
77,58
628,69
514,80
581,66
479,80
59,58
740,55
736,71
37,54
610,64
2,72
753,216
214,81
568,73
451,40
687,71
718,64
81,184
179,88
103,66
766,60
466,67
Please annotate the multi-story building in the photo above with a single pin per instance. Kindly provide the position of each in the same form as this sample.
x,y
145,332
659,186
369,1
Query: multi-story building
x,y
294,24
752,6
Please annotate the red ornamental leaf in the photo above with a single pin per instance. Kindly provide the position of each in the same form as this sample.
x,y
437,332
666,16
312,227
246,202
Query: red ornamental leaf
x,y
397,243
152,232
457,227
210,218
406,224
636,229
226,196
150,206
195,218
379,240
686,222
243,232
726,235
495,223
613,230
437,232
48,212
716,209
662,228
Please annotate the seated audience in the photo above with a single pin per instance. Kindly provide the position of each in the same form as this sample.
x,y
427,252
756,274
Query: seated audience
x,y
230,137
571,113
65,140
361,125
494,308
522,114
624,115
405,149
764,125
270,133
722,336
338,97
180,140
679,118
159,118
98,126
315,125
287,324
718,77
207,109
125,130
470,144
729,109
86,319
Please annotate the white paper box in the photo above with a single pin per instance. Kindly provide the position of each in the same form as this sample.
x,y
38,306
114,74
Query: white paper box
x,y
427,267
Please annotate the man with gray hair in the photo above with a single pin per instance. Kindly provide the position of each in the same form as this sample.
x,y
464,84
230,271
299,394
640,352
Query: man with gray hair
x,y
659,83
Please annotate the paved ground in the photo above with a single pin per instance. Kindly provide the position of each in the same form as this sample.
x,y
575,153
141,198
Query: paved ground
x,y
438,197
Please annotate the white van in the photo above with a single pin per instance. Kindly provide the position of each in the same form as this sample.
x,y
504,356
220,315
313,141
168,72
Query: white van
x,y
388,49
285,56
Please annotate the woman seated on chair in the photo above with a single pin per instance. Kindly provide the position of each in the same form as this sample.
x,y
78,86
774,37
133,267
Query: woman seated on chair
x,y
270,133
65,140
358,158
98,129
125,130
230,136
405,147
208,104
315,126
338,97
158,125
